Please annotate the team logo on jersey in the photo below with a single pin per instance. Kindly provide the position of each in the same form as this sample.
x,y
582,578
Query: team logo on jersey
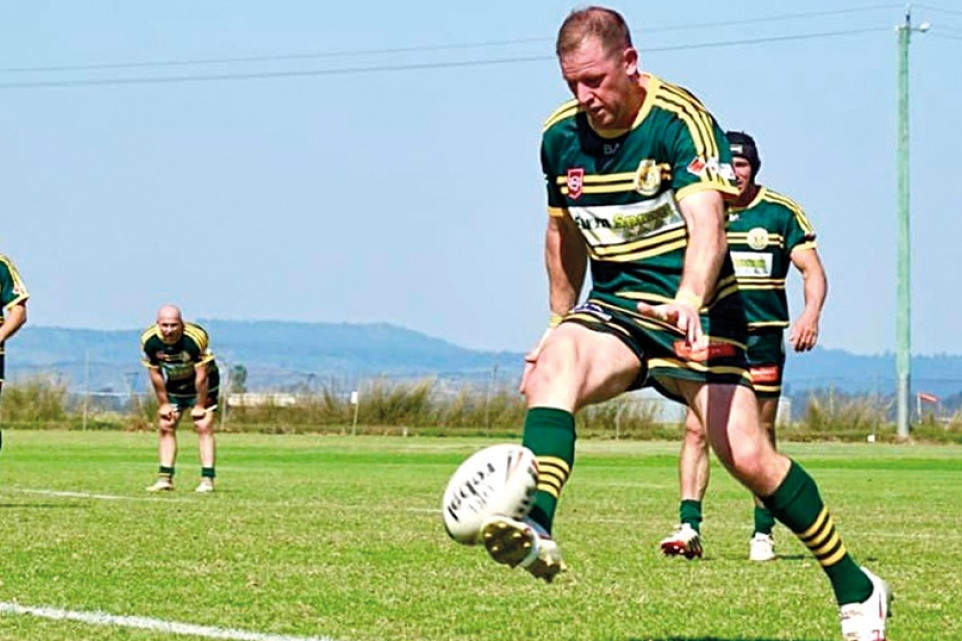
x,y
700,166
576,180
758,238
648,178
726,172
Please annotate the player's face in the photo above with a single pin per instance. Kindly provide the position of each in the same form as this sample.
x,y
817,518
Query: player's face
x,y
171,329
743,173
605,84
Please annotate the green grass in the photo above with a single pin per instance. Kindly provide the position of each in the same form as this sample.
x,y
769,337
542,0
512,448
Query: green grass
x,y
338,536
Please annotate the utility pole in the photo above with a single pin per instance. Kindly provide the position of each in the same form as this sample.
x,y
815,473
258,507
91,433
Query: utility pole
x,y
903,302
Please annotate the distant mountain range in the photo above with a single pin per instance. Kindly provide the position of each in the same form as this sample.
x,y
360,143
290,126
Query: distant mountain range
x,y
286,355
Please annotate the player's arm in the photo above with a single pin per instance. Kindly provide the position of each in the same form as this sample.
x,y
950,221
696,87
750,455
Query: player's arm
x,y
165,410
14,319
200,388
704,215
804,333
566,259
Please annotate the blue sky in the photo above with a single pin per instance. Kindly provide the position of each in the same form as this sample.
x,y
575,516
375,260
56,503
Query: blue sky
x,y
401,183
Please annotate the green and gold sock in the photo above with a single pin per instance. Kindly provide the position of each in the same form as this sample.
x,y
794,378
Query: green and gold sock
x,y
207,472
550,434
690,512
166,472
798,505
764,520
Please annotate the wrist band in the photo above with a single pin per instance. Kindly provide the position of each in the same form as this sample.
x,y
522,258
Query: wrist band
x,y
688,298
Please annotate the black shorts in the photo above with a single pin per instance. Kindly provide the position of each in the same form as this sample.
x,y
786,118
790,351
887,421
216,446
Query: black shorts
x,y
662,348
187,401
766,361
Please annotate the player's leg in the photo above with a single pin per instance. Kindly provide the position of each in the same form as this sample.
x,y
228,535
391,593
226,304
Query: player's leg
x,y
167,451
693,475
577,366
731,417
205,444
762,544
766,358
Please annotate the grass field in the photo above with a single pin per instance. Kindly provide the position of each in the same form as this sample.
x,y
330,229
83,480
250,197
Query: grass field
x,y
320,536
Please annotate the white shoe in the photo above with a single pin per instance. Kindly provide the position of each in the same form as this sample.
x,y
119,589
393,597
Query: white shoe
x,y
685,542
865,621
162,484
761,547
523,543
206,485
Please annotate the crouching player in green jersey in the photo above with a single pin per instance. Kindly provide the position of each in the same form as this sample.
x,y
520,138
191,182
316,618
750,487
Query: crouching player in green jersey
x,y
13,309
767,233
636,170
185,378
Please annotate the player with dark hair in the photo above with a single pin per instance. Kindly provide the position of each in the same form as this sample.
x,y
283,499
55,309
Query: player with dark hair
x,y
13,309
184,377
767,233
636,171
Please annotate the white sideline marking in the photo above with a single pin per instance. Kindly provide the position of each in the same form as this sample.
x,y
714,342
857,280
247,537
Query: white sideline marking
x,y
89,495
168,499
146,623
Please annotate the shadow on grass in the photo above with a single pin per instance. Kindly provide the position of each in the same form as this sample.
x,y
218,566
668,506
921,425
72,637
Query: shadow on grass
x,y
42,505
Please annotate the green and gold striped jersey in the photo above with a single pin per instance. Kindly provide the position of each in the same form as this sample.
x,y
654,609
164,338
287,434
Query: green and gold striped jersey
x,y
12,290
761,238
179,360
622,190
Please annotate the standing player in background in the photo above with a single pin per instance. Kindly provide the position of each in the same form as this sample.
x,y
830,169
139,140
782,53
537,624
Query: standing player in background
x,y
767,232
636,170
13,309
184,377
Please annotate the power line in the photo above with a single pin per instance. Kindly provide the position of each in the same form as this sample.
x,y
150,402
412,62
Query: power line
x,y
411,49
939,9
402,67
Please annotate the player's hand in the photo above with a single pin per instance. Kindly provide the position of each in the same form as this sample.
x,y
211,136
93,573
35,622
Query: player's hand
x,y
167,412
682,315
198,412
531,358
804,334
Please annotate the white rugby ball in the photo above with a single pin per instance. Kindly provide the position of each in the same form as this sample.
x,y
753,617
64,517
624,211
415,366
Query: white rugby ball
x,y
498,480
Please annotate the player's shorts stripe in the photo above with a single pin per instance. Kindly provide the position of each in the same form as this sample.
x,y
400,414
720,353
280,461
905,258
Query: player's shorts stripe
x,y
670,363
770,389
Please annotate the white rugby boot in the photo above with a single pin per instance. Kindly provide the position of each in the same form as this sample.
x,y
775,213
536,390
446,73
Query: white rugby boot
x,y
865,621
761,547
685,541
523,543
162,484
206,485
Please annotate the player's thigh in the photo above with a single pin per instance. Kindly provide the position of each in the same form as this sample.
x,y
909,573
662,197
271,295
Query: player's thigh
x,y
579,366
730,415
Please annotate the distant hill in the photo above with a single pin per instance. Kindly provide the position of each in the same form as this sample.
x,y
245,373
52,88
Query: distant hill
x,y
280,354
277,354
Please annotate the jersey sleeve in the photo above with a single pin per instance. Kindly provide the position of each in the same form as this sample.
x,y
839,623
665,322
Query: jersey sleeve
x,y
799,233
149,359
12,289
699,154
197,344
556,202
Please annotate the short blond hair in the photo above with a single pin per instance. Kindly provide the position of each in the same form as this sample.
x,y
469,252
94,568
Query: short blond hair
x,y
602,23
